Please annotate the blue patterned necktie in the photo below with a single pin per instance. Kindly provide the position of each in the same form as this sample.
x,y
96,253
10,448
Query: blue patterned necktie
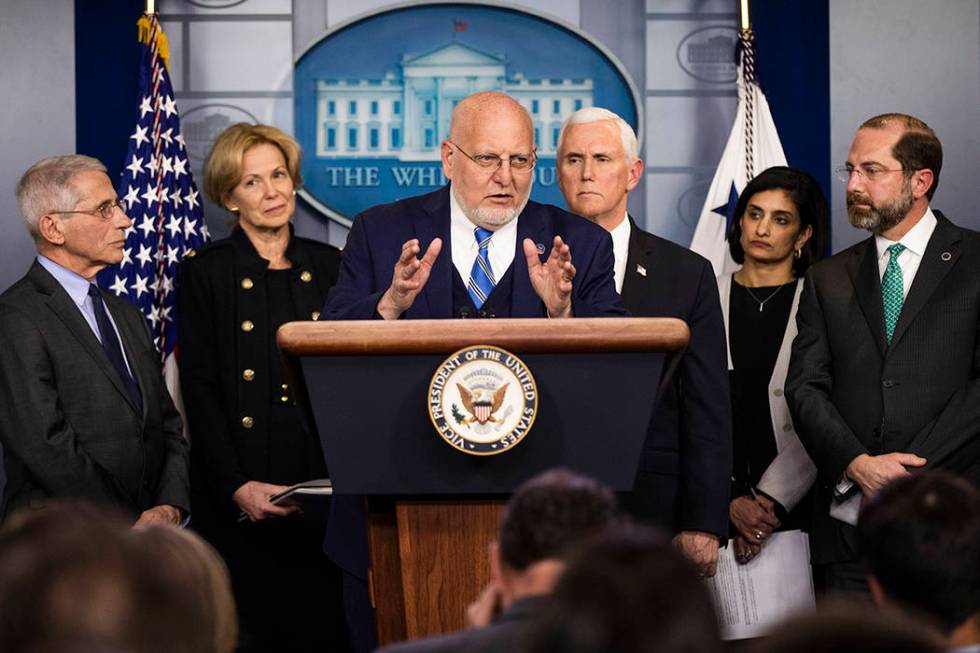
x,y
113,348
892,290
481,276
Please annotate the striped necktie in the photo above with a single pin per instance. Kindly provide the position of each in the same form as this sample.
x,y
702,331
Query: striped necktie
x,y
892,290
482,280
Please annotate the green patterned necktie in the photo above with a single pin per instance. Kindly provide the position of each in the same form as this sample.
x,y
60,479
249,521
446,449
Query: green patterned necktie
x,y
892,291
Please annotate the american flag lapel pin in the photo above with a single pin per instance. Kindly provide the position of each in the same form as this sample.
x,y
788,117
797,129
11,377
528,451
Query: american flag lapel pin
x,y
641,270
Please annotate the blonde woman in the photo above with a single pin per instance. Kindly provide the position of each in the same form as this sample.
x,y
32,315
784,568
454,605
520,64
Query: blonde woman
x,y
251,437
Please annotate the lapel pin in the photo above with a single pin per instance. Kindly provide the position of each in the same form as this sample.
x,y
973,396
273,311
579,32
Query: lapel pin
x,y
642,270
945,256
540,248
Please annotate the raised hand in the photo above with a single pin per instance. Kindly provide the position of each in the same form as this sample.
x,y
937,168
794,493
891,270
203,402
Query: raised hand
x,y
552,280
410,275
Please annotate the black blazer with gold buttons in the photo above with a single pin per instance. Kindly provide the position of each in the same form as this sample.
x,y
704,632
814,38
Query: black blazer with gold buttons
x,y
223,336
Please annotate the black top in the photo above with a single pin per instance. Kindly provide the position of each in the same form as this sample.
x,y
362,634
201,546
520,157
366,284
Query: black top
x,y
295,454
754,338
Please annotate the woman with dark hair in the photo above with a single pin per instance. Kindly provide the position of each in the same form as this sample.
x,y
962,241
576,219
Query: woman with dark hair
x,y
251,436
779,230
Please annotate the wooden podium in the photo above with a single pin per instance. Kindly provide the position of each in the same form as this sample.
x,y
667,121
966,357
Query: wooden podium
x,y
432,509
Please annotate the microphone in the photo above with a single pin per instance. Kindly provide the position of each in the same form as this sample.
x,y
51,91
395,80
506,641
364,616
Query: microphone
x,y
464,313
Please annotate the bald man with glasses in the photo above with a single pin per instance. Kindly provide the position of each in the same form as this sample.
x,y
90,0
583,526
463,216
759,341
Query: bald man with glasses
x,y
85,411
477,247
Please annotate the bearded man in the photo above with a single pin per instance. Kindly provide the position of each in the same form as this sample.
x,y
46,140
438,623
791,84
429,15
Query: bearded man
x,y
885,372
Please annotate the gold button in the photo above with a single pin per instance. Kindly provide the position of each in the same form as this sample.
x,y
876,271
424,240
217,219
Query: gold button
x,y
285,386
190,253
305,276
248,374
247,326
284,399
248,422
315,315
247,283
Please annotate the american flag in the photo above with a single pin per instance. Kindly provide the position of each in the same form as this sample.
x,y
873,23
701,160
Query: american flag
x,y
161,199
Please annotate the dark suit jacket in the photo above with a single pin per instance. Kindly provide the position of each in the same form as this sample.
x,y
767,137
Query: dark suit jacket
x,y
377,236
850,393
67,425
506,633
684,481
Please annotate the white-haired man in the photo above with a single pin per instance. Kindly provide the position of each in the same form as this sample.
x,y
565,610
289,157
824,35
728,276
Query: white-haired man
x,y
684,477
507,256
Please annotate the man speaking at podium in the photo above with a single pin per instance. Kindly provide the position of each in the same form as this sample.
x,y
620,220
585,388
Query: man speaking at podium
x,y
505,255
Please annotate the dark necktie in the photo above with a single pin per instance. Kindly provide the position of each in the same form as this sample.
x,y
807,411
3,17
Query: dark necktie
x,y
113,349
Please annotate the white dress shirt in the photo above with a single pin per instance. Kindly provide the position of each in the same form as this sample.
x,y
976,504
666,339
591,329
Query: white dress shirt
x,y
621,245
915,242
465,249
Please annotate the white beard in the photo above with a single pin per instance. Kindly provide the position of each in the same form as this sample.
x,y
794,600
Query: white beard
x,y
488,217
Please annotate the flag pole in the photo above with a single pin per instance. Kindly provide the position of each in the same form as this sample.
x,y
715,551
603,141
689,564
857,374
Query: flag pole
x,y
743,11
151,9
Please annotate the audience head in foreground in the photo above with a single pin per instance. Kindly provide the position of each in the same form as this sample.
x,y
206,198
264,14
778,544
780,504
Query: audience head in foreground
x,y
848,627
921,541
75,579
548,518
630,592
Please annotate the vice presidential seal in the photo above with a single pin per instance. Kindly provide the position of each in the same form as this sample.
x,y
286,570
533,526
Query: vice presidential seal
x,y
483,400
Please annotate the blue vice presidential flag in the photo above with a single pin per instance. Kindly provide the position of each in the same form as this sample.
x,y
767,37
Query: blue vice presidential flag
x,y
160,197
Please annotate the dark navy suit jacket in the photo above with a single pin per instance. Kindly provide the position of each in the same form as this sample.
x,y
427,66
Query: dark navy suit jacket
x,y
684,480
377,236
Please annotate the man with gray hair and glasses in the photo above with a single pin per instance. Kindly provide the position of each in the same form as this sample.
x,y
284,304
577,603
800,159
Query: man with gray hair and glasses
x,y
85,411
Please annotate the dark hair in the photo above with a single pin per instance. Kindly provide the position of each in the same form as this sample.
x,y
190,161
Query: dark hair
x,y
629,592
848,626
917,149
811,205
551,514
921,540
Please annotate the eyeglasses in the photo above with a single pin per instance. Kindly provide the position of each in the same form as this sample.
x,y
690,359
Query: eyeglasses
x,y
492,162
871,173
104,210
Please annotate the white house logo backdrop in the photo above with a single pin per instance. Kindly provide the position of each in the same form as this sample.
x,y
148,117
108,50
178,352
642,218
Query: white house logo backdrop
x,y
483,400
373,98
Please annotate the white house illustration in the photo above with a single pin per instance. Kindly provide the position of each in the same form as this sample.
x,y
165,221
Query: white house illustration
x,y
408,116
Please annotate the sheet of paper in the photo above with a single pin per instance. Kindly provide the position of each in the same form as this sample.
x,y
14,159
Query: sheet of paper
x,y
753,598
847,510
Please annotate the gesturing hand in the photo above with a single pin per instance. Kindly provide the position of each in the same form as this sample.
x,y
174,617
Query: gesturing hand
x,y
552,280
409,278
